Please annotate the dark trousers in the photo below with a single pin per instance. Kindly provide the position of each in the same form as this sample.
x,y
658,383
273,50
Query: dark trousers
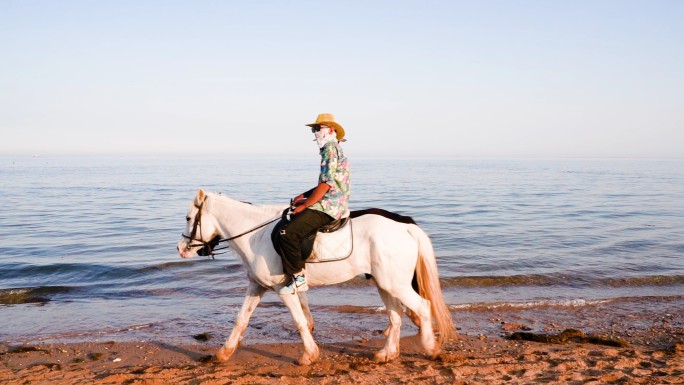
x,y
301,225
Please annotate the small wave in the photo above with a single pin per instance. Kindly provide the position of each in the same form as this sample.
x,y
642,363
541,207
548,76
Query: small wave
x,y
562,280
208,264
568,303
22,295
656,280
81,273
483,306
166,266
493,281
89,335
353,309
563,303
66,272
86,273
559,303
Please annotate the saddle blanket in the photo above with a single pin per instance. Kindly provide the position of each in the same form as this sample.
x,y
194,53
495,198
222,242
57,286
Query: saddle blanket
x,y
330,246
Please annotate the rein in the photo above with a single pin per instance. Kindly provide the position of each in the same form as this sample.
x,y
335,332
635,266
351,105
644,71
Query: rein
x,y
210,246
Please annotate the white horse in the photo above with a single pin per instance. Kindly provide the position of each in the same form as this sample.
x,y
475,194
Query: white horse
x,y
390,251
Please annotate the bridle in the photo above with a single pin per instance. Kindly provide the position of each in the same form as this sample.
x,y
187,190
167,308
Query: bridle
x,y
208,248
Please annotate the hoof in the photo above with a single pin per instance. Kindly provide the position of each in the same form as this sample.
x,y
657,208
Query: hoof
x,y
223,355
435,353
382,356
309,358
305,360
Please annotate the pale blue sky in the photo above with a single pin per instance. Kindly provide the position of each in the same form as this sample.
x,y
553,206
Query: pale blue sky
x,y
405,78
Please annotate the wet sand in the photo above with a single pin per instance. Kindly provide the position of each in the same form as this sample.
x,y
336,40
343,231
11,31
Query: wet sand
x,y
650,355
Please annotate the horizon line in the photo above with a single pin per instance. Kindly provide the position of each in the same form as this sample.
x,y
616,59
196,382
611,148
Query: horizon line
x,y
358,156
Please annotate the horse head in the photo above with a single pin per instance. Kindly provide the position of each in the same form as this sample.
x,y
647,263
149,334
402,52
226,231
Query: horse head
x,y
201,233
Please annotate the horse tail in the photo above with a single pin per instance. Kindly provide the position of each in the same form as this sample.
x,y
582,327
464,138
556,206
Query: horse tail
x,y
428,285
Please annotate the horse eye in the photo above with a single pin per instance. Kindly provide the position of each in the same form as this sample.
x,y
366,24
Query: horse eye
x,y
187,219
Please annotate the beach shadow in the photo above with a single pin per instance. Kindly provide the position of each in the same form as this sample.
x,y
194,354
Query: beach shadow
x,y
193,355
351,348
287,353
253,349
242,354
410,347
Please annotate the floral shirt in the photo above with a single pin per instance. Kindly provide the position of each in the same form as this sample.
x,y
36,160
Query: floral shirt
x,y
334,172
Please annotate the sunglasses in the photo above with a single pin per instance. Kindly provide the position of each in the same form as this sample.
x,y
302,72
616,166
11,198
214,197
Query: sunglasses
x,y
317,128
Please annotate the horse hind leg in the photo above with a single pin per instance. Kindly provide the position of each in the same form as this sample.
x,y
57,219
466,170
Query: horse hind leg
x,y
391,349
304,300
411,315
421,309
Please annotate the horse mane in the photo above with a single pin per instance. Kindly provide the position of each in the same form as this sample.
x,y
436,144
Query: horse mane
x,y
384,213
265,208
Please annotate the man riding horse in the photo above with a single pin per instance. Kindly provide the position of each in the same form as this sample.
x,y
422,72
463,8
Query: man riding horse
x,y
317,207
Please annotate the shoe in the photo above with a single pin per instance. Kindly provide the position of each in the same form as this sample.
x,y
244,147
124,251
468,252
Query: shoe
x,y
298,283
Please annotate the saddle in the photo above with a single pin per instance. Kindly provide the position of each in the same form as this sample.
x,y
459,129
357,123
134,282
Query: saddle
x,y
332,242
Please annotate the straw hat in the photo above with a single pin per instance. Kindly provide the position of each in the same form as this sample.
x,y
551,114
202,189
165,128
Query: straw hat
x,y
329,120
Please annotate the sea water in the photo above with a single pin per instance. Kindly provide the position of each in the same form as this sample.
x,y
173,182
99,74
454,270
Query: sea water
x,y
88,244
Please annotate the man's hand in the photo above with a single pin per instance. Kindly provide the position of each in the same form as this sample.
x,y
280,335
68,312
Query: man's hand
x,y
302,203
298,200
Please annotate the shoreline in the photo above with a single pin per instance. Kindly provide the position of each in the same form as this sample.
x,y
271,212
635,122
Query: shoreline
x,y
649,336
272,323
651,355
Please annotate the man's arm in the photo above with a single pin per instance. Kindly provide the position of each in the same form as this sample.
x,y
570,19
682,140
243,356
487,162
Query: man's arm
x,y
299,199
316,195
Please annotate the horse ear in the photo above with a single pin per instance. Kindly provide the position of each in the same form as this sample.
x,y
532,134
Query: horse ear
x,y
201,196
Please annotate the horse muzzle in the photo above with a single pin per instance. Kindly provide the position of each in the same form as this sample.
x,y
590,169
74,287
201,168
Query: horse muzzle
x,y
184,251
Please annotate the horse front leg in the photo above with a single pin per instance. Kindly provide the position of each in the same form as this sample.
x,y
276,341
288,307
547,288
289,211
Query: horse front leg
x,y
311,351
304,300
252,299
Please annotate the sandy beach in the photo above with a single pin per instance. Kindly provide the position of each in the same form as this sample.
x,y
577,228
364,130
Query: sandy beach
x,y
651,355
